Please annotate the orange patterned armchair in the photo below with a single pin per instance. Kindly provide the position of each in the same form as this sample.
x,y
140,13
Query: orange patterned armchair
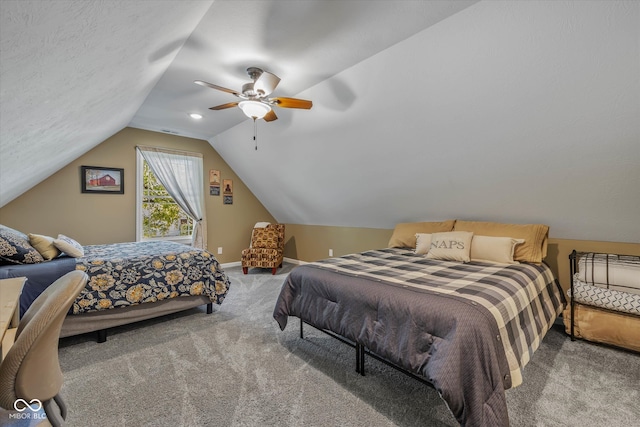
x,y
267,247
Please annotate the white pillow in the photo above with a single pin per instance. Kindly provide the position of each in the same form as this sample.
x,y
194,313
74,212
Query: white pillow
x,y
69,246
494,249
451,246
423,243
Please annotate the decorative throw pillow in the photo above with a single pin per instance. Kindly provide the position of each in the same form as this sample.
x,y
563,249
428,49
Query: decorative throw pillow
x,y
15,248
44,245
494,249
266,238
451,246
534,249
423,243
69,246
404,234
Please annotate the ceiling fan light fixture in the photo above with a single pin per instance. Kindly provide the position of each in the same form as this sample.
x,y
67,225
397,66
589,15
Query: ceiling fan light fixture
x,y
254,109
266,83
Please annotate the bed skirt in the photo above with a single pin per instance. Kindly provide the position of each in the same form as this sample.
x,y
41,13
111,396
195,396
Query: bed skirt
x,y
76,324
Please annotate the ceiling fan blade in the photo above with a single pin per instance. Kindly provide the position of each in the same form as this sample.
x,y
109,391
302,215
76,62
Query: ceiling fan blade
x,y
266,83
292,103
224,106
270,116
212,86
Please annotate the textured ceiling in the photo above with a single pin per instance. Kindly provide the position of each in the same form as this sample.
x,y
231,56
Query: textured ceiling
x,y
73,73
423,110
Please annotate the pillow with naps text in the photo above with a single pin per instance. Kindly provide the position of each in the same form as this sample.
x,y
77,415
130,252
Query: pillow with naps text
x,y
451,246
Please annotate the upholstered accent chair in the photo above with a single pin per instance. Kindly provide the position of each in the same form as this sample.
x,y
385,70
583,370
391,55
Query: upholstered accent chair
x,y
267,247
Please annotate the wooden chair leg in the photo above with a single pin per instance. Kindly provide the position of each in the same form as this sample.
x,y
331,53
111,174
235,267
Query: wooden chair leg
x,y
245,270
273,270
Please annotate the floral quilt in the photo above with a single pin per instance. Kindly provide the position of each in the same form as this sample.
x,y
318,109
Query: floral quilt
x,y
126,274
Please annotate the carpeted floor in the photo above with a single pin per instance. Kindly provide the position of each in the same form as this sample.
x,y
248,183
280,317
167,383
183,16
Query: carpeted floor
x,y
236,368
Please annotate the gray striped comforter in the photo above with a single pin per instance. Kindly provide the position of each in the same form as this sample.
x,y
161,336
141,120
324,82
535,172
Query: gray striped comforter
x,y
468,328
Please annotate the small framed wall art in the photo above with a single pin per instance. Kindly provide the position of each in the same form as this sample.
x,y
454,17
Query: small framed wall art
x,y
227,191
214,182
96,179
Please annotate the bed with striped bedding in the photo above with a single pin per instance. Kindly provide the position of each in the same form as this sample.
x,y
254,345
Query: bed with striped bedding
x,y
469,329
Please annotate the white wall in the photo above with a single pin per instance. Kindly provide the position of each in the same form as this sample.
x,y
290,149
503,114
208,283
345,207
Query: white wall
x,y
521,111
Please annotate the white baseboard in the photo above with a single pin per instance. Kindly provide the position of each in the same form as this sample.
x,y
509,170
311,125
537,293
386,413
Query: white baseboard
x,y
295,261
231,264
238,263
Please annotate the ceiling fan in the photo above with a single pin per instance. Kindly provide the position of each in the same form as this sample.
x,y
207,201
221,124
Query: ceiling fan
x,y
255,103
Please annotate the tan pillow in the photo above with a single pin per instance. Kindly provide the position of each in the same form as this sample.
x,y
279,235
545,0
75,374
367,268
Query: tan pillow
x,y
423,243
44,245
535,236
494,249
404,235
451,246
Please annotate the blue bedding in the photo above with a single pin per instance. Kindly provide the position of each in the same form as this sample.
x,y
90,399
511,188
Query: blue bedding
x,y
126,274
39,277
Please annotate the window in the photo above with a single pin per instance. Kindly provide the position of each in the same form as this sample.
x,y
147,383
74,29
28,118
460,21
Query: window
x,y
159,216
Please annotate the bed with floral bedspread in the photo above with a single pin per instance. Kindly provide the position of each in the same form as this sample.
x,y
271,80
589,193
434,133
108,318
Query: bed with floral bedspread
x,y
126,276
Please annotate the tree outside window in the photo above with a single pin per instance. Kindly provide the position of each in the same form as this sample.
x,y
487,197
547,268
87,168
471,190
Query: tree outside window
x,y
161,215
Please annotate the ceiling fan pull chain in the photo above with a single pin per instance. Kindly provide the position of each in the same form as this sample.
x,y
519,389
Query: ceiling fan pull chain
x,y
255,133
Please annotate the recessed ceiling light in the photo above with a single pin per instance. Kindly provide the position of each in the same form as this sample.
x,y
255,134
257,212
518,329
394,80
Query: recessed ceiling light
x,y
195,116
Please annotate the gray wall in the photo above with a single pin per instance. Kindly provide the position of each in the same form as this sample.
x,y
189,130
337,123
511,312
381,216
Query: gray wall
x,y
525,112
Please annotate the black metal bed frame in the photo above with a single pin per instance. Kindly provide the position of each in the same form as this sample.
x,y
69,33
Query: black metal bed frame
x,y
573,268
361,351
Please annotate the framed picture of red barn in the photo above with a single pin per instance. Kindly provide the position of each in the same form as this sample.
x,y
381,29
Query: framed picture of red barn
x,y
96,179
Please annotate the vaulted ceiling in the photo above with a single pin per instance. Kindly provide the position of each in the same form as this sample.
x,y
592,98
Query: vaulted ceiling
x,y
509,111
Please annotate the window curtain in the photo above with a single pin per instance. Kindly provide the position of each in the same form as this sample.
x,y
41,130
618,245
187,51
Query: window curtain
x,y
181,174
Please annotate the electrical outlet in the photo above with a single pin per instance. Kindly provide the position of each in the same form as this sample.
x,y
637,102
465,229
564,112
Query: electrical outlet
x,y
219,250
330,252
